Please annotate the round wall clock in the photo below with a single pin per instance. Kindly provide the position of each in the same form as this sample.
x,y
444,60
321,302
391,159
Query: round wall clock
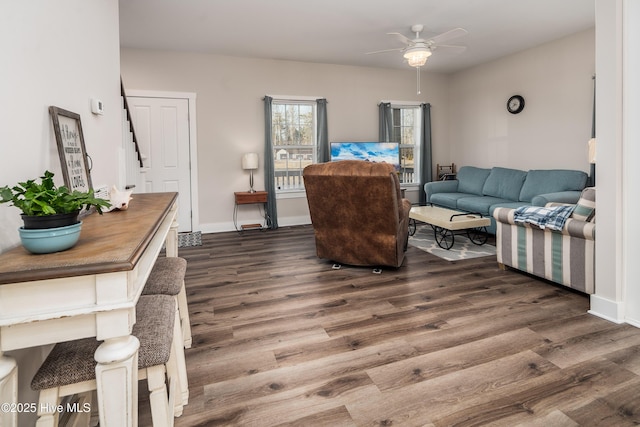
x,y
515,104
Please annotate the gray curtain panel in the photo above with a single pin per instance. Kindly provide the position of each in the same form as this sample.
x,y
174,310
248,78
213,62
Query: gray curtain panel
x,y
271,210
385,122
323,134
426,171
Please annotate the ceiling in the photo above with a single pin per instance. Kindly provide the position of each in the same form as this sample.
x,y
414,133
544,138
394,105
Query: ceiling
x,y
341,31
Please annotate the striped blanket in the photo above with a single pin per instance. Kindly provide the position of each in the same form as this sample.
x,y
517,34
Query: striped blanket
x,y
552,218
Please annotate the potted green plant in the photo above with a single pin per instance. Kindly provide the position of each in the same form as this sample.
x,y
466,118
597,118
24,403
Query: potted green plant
x,y
47,207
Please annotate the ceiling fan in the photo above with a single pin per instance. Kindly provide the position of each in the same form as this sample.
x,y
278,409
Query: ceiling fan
x,y
418,50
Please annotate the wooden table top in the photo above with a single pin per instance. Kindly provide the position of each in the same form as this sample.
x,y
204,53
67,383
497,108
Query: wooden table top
x,y
110,242
442,217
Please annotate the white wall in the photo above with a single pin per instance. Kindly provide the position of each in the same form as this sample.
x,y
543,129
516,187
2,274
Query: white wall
x,y
230,118
617,294
552,131
631,171
631,194
58,53
608,299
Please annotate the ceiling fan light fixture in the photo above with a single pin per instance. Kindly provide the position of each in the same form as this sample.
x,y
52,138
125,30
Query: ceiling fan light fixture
x,y
417,56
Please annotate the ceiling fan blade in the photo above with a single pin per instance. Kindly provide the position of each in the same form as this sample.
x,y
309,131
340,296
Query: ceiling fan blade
x,y
448,35
385,50
451,48
404,39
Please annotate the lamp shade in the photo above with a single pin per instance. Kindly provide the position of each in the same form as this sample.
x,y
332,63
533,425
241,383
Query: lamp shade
x,y
417,56
592,150
250,161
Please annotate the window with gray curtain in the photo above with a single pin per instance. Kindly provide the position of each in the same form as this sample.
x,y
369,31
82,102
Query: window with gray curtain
x,y
410,126
299,138
296,135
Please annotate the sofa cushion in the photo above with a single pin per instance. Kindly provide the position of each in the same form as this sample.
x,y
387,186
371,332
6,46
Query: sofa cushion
x,y
504,183
551,181
448,200
471,179
479,204
586,207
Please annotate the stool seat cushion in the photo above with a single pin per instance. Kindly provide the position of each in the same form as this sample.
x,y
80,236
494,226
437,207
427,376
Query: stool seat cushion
x,y
69,362
166,276
72,362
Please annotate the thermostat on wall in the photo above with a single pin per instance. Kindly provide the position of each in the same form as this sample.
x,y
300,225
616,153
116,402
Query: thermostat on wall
x,y
96,106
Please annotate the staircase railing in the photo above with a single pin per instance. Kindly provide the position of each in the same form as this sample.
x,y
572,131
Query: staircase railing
x,y
131,129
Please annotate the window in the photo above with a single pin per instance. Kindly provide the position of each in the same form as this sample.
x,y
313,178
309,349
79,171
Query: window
x,y
293,132
407,131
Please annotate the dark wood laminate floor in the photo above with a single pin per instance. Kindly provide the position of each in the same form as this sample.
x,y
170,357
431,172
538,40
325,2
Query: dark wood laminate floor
x,y
280,338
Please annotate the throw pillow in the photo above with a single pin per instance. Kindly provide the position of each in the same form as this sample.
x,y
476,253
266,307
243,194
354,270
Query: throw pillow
x,y
586,207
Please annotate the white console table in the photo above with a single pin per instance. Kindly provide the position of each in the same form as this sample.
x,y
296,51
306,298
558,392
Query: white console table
x,y
90,290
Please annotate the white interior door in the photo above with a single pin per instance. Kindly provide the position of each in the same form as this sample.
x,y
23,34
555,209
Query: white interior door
x,y
162,130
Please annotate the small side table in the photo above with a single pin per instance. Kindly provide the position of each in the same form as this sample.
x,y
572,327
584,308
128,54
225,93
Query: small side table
x,y
248,198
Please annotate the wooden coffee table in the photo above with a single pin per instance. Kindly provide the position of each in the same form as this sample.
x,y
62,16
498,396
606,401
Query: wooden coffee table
x,y
447,221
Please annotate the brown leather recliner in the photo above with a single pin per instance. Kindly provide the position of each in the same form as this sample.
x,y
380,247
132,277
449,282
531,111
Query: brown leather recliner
x,y
358,214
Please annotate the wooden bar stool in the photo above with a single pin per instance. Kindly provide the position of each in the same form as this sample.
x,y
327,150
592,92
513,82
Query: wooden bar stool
x,y
167,278
70,367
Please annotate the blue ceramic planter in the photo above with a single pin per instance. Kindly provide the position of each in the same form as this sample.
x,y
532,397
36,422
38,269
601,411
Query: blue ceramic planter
x,y
45,241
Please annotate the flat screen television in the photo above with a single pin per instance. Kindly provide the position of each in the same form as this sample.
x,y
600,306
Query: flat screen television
x,y
388,152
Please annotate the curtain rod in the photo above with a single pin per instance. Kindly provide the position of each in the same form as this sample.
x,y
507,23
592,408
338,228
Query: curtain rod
x,y
295,98
416,103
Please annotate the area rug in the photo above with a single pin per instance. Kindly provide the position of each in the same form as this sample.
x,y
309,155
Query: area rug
x,y
189,239
463,248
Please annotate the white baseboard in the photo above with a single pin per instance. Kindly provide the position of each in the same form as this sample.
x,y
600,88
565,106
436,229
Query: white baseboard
x,y
633,322
612,311
221,227
217,227
294,220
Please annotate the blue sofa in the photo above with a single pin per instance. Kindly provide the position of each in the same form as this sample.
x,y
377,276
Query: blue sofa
x,y
483,190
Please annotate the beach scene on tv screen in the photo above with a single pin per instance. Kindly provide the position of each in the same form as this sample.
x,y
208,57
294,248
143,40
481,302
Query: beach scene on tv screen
x,y
387,152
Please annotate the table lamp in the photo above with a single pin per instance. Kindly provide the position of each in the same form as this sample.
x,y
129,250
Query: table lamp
x,y
250,162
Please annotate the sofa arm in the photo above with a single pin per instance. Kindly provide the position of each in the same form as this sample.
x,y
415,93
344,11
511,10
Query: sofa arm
x,y
572,227
449,186
504,215
579,228
570,197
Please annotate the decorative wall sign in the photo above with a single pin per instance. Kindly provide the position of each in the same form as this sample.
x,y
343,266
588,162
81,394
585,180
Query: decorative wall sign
x,y
73,154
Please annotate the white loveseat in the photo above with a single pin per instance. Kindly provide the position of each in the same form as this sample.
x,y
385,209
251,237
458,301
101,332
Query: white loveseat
x,y
566,257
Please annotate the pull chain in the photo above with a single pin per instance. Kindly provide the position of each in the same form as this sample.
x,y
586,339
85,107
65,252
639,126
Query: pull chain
x,y
418,71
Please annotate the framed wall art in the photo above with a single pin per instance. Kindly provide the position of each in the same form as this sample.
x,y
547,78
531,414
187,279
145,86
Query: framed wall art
x,y
73,154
